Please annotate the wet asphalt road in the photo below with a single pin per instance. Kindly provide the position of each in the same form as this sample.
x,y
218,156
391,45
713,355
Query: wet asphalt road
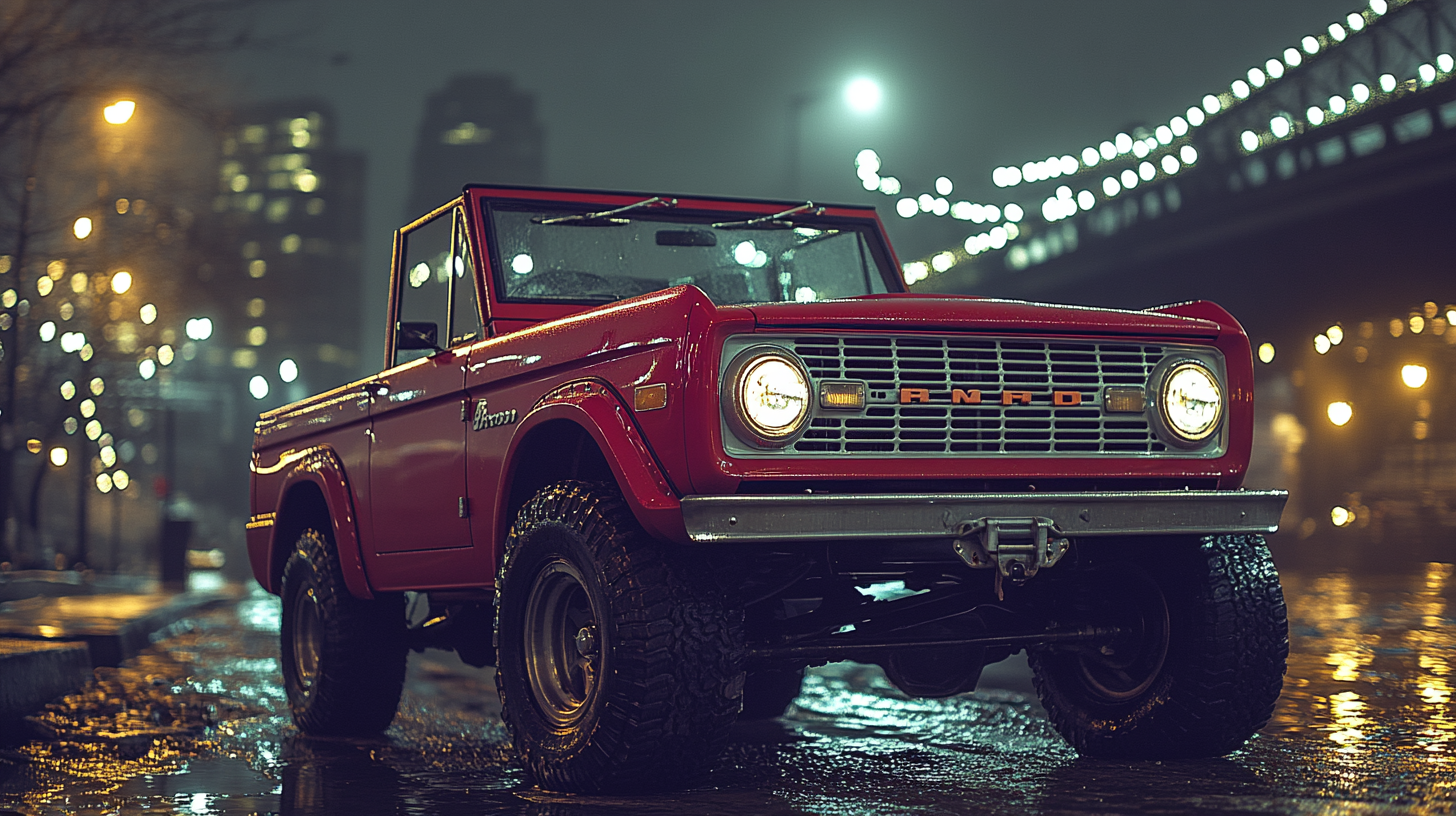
x,y
1366,725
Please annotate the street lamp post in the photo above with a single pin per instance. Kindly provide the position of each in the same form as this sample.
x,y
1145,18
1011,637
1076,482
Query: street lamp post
x,y
862,95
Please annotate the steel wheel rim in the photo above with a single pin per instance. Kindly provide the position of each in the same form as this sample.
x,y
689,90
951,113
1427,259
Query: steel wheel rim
x,y
1136,657
562,644
308,637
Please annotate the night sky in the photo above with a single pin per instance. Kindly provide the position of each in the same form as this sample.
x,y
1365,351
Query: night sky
x,y
694,98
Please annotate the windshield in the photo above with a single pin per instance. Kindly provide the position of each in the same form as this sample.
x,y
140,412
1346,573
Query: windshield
x,y
604,259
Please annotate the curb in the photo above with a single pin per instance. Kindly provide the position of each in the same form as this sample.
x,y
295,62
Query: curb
x,y
34,674
50,645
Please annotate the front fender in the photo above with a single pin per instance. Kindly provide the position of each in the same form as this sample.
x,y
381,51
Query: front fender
x,y
269,545
594,407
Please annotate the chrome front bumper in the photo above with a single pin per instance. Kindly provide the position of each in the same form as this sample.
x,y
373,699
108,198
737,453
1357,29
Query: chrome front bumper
x,y
749,519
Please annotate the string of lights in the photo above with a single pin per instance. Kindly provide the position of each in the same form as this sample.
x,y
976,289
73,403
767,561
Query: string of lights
x,y
1146,157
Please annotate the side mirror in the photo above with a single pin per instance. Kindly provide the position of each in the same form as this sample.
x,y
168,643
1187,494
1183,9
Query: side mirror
x,y
410,335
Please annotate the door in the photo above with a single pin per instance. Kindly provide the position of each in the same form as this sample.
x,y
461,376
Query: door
x,y
417,456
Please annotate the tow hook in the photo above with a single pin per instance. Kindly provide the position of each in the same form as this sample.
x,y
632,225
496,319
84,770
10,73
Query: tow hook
x,y
1016,547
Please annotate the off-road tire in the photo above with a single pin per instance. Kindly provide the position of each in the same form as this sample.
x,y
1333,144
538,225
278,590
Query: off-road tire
x,y
1227,638
665,652
767,693
349,684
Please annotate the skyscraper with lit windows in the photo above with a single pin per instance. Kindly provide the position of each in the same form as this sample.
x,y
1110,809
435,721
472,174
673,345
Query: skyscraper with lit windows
x,y
287,286
478,128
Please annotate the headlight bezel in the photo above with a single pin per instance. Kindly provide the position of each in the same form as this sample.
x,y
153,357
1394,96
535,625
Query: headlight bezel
x,y
1169,430
744,427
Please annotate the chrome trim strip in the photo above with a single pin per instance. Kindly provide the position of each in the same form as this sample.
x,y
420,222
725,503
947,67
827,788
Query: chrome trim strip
x,y
750,519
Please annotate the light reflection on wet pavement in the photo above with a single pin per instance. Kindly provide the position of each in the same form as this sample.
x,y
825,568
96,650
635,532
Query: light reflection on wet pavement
x,y
1366,725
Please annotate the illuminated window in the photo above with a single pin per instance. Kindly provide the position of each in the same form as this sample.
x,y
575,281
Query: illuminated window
x,y
277,210
256,307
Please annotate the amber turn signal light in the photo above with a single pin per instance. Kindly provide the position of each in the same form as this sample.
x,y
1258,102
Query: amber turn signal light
x,y
1124,400
650,397
842,395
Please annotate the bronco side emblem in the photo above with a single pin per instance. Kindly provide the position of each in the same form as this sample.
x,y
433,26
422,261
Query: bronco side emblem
x,y
483,420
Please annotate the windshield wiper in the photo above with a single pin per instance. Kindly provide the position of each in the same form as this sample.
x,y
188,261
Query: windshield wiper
x,y
772,222
604,218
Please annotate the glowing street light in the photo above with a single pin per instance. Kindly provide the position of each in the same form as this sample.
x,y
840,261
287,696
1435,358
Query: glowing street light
x,y
82,228
863,95
1414,376
59,456
119,112
1340,413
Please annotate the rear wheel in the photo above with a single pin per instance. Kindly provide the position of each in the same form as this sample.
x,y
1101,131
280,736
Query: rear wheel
x,y
1198,663
619,666
343,658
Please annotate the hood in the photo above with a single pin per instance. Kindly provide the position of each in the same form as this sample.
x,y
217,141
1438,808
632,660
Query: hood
x,y
906,311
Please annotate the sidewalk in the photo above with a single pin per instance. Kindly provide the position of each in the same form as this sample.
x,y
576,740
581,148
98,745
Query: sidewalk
x,y
56,627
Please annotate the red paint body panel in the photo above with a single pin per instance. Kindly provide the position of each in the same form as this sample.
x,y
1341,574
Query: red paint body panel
x,y
417,464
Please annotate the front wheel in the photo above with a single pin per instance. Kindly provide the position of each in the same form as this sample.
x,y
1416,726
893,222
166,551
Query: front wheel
x,y
618,665
1199,659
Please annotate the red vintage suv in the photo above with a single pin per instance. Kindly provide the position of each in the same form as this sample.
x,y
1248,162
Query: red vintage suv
x,y
652,457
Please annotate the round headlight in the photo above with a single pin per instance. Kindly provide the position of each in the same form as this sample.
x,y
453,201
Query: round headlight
x,y
770,396
1191,401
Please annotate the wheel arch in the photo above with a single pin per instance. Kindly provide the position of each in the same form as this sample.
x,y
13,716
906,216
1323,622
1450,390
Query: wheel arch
x,y
583,431
315,493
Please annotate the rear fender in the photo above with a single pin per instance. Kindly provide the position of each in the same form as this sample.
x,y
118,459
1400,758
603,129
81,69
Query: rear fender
x,y
309,477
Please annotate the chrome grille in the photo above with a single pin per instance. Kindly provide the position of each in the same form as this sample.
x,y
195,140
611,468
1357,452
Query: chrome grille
x,y
991,365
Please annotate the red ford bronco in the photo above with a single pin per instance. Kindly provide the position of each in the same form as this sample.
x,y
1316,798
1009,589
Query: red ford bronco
x,y
652,457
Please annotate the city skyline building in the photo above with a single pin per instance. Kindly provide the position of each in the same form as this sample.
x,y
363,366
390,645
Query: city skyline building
x,y
477,129
287,288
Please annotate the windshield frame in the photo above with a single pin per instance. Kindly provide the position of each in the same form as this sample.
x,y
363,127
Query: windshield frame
x,y
874,246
